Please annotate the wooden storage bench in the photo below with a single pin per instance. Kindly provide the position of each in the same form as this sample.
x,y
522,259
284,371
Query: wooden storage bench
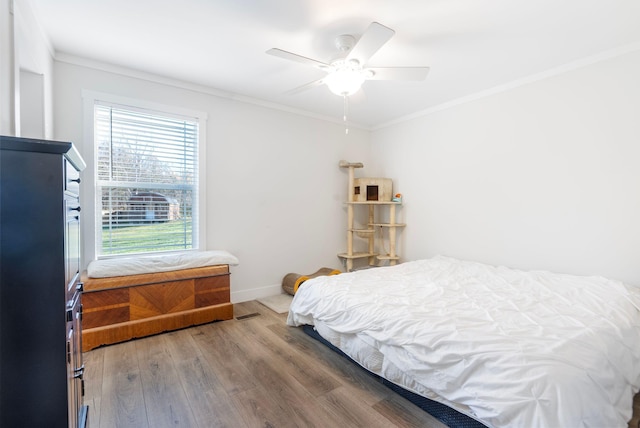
x,y
121,308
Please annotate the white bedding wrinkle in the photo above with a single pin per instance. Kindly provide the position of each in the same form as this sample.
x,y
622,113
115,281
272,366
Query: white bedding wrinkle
x,y
507,347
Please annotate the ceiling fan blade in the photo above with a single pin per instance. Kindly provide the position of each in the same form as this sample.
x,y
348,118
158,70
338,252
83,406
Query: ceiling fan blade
x,y
305,87
373,39
298,58
398,73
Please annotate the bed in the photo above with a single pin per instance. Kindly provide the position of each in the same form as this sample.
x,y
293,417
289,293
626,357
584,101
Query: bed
x,y
502,346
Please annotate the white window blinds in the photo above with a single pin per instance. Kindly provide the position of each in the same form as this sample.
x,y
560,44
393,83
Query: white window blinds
x,y
146,181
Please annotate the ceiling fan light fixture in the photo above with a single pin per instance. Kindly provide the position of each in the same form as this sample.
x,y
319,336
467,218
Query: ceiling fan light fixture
x,y
346,78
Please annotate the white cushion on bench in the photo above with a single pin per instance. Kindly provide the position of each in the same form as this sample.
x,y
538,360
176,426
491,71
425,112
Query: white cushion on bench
x,y
159,263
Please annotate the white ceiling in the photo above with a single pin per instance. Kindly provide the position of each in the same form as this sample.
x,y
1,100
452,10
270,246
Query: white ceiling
x,y
470,45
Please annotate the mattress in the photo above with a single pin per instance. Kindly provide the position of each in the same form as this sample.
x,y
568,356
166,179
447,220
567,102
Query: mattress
x,y
506,347
444,414
159,263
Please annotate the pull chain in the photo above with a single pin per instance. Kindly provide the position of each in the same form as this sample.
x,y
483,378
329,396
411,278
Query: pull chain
x,y
344,117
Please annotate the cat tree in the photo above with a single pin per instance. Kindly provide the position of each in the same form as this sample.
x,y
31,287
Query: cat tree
x,y
374,193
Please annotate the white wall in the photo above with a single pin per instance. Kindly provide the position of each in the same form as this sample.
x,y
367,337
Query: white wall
x,y
32,105
543,176
35,76
274,191
7,69
24,52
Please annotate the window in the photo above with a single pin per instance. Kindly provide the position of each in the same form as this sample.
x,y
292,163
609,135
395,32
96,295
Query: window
x,y
146,181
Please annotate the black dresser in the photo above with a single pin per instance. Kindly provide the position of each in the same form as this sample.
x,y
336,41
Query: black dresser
x,y
41,368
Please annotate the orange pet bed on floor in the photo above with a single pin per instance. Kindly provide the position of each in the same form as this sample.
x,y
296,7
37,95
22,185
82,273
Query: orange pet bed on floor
x,y
292,281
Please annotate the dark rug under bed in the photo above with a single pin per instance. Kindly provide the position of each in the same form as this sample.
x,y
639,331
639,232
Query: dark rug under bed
x,y
448,416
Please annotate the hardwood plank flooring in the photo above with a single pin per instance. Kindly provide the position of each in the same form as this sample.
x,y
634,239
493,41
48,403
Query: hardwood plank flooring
x,y
635,420
246,372
251,372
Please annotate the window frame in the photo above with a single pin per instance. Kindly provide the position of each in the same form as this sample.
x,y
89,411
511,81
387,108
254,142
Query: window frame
x,y
91,200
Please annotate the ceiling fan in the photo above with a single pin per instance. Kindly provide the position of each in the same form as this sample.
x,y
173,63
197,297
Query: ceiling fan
x,y
346,74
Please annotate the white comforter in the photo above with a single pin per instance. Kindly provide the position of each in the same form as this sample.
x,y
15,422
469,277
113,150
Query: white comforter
x,y
509,348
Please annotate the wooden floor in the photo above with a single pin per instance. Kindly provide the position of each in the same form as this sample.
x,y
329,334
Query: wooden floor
x,y
251,372
635,420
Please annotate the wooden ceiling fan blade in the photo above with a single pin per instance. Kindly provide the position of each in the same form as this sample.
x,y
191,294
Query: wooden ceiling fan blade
x,y
398,73
373,39
298,58
305,87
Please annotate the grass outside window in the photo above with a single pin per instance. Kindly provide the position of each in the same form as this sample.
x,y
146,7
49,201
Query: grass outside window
x,y
140,238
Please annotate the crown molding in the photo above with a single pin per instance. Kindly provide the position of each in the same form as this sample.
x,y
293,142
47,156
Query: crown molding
x,y
574,65
163,80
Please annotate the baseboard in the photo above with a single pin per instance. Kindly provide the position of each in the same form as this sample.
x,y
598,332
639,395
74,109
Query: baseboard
x,y
255,293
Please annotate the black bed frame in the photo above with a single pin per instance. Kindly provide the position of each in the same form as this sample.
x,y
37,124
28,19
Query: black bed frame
x,y
445,414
